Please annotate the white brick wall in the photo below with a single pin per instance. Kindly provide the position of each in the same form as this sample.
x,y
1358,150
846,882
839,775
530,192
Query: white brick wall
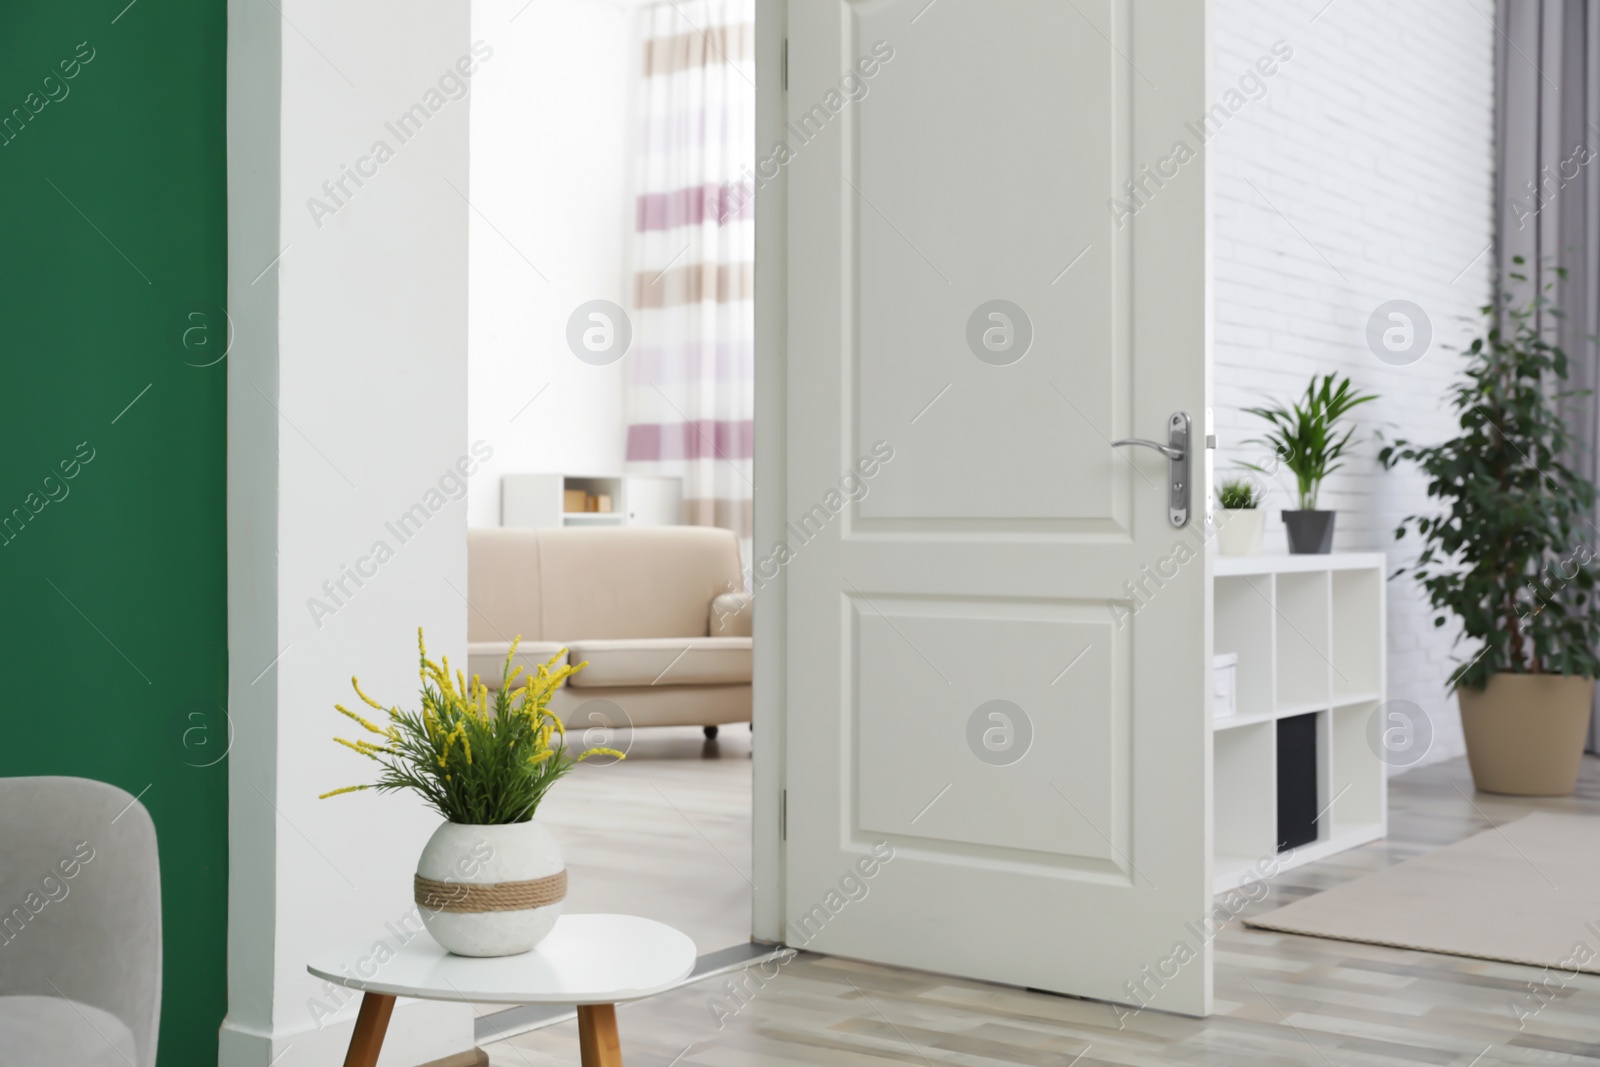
x,y
1374,141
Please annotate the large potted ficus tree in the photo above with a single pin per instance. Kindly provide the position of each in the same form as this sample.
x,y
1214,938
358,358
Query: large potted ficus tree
x,y
1507,556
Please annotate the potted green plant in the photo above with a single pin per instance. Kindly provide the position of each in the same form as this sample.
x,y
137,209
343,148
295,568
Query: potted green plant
x,y
1507,557
1305,439
490,880
1240,522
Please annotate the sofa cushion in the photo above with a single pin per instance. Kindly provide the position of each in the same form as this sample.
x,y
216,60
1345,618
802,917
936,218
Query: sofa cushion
x,y
623,582
487,659
503,585
630,582
661,661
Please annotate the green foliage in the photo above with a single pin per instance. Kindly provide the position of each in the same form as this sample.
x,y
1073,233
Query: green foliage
x,y
1305,437
1236,493
473,762
1507,554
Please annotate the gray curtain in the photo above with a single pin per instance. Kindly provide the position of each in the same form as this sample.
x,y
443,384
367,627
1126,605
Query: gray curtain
x,y
1547,144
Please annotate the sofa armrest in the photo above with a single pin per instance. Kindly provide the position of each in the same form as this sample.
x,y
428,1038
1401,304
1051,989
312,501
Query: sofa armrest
x,y
732,615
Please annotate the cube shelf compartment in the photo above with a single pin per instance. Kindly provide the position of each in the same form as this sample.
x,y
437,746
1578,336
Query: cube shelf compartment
x,y
1309,634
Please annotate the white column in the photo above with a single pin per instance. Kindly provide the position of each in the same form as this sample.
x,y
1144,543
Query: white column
x,y
347,436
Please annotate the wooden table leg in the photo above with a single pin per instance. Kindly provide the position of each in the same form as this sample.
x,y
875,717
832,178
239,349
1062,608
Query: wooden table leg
x,y
597,1035
371,1023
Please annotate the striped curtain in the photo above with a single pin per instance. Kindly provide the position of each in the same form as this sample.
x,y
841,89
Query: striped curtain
x,y
691,391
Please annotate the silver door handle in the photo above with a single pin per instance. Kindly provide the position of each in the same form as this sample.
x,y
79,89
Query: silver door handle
x,y
1165,450
1177,452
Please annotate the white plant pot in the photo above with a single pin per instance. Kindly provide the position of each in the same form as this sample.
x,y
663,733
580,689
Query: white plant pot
x,y
475,885
1239,531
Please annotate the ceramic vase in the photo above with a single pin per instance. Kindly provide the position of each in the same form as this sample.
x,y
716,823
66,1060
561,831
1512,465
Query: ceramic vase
x,y
490,890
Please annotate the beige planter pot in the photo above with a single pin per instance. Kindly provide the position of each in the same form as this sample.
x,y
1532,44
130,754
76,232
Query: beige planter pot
x,y
1525,732
1239,531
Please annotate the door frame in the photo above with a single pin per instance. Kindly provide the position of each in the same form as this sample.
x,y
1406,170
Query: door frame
x,y
769,713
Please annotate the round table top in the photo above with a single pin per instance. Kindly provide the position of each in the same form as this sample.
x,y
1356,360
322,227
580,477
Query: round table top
x,y
586,959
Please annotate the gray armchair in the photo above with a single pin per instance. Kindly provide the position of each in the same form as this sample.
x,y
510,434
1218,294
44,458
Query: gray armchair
x,y
80,925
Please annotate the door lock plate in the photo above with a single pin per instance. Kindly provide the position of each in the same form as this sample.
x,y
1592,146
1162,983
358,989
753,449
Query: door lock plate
x,y
1178,468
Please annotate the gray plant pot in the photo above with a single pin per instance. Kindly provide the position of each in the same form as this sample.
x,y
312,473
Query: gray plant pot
x,y
1310,532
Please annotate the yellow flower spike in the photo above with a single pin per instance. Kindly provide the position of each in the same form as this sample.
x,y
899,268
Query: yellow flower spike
x,y
602,752
459,734
341,709
356,685
540,757
346,789
355,746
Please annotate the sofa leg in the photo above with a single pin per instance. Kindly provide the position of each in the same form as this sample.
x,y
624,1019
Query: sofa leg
x,y
711,732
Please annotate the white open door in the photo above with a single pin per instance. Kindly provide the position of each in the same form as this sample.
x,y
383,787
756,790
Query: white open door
x,y
997,639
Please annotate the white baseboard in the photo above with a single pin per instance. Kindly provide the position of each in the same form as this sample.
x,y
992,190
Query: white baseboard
x,y
420,1032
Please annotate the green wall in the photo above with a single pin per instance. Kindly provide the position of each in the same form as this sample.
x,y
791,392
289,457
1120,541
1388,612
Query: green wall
x,y
112,235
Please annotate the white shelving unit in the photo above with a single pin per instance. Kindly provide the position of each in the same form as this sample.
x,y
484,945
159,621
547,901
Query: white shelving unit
x,y
1309,634
536,500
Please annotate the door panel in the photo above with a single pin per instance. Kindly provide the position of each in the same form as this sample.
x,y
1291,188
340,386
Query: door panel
x,y
954,161
996,652
1082,720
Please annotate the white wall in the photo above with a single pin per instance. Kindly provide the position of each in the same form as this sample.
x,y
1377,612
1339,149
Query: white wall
x,y
1374,142
346,407
551,125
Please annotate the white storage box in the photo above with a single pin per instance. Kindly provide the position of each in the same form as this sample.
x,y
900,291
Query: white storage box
x,y
1224,684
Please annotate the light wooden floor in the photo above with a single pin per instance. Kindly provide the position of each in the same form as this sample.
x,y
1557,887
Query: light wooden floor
x,y
664,834
1281,1000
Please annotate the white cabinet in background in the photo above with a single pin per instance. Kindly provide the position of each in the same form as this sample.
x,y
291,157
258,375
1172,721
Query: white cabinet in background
x,y
537,500
1308,632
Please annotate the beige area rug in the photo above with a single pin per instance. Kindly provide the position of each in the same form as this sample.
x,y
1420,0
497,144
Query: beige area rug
x,y
1528,892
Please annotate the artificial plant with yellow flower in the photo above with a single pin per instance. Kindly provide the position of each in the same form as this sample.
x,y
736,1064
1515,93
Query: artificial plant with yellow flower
x,y
474,758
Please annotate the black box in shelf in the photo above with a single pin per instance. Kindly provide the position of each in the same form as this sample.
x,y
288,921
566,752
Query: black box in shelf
x,y
1297,781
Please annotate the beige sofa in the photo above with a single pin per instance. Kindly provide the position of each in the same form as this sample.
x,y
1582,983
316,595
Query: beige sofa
x,y
658,612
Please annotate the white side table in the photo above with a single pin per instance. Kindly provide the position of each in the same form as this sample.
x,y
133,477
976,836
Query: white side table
x,y
593,961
